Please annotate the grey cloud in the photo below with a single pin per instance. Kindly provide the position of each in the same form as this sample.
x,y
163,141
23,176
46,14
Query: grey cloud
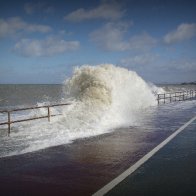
x,y
183,32
13,25
142,42
48,47
140,60
182,64
106,10
111,37
32,7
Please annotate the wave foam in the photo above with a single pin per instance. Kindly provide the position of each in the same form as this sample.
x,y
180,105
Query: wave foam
x,y
113,92
104,97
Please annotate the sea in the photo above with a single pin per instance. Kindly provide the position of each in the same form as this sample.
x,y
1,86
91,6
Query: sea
x,y
103,99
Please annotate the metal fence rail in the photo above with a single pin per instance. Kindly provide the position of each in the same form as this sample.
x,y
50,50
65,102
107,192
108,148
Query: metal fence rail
x,y
9,121
161,98
176,96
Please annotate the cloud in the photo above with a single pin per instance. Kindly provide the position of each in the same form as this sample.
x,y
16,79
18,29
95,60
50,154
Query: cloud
x,y
48,47
148,62
14,25
140,60
183,32
111,37
141,42
161,68
31,8
182,64
108,10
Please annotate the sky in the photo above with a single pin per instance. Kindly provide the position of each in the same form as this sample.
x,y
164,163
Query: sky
x,y
42,41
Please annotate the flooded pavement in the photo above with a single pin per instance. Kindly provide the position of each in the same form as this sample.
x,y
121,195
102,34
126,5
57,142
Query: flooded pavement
x,y
86,165
171,171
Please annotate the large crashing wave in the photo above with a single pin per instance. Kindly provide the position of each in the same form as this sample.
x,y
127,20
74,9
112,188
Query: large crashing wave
x,y
104,97
107,94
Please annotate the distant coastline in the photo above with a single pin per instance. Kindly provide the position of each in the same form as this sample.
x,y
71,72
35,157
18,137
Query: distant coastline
x,y
188,83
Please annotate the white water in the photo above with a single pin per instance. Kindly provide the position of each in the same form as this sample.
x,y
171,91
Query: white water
x,y
103,97
109,95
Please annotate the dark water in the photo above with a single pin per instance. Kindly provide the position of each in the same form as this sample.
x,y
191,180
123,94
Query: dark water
x,y
15,95
20,95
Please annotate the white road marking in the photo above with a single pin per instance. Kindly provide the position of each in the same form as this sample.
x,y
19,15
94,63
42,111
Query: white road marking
x,y
130,170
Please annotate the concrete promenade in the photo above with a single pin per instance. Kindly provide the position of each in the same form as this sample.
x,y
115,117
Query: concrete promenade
x,y
86,165
171,171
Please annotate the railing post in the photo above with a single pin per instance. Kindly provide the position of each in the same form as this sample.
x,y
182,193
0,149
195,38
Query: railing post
x,y
158,99
48,114
9,123
170,97
164,98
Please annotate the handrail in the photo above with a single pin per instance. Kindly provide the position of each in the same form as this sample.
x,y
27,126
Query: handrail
x,y
9,121
34,107
176,96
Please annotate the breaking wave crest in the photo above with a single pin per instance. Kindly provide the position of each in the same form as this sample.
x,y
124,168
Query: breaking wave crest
x,y
103,98
111,93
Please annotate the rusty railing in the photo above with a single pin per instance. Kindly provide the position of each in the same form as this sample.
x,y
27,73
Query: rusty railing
x,y
176,96
161,98
49,115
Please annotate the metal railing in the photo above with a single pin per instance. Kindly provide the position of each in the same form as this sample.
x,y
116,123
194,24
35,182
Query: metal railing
x,y
161,98
48,116
176,96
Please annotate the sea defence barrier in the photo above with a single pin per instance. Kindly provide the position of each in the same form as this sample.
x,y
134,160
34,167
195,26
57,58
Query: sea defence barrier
x,y
48,116
176,96
161,98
